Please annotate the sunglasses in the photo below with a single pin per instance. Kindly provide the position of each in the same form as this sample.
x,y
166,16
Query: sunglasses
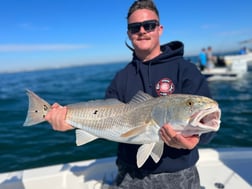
x,y
148,25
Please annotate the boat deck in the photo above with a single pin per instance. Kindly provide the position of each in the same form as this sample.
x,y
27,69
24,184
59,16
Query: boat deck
x,y
218,168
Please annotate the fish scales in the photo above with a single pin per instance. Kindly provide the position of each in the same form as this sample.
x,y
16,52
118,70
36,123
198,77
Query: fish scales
x,y
104,121
105,118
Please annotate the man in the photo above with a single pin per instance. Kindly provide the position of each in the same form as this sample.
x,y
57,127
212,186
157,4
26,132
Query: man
x,y
203,59
156,70
211,60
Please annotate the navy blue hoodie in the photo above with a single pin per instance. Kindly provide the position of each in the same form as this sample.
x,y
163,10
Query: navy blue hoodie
x,y
167,73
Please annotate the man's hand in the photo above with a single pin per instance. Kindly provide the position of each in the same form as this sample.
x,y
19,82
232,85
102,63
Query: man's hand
x,y
56,117
173,139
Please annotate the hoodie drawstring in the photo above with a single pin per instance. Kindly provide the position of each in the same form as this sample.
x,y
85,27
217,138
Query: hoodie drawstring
x,y
149,74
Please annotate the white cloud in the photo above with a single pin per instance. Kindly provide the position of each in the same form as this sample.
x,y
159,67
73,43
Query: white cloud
x,y
30,26
39,47
208,26
232,33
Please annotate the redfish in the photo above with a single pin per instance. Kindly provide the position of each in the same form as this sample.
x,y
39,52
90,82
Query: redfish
x,y
136,122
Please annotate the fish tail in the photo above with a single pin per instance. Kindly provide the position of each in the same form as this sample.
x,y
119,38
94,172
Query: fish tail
x,y
37,109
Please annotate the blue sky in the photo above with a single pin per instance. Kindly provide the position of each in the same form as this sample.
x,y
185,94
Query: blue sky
x,y
55,33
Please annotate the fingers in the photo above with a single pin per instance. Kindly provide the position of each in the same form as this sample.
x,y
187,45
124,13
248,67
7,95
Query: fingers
x,y
188,142
56,105
175,140
56,117
168,135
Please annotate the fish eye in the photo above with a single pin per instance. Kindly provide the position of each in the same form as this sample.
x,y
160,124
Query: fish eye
x,y
189,102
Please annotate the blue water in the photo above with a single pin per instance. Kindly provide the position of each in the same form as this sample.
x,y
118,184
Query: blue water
x,y
29,147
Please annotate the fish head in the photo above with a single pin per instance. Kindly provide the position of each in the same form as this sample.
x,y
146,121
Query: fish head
x,y
192,114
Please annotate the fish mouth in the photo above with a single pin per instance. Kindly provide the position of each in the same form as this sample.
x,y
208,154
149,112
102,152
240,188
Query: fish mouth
x,y
208,119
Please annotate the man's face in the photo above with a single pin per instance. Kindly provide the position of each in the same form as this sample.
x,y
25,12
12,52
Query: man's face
x,y
145,41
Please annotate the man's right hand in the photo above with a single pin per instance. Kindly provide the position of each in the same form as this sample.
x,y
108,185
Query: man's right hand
x,y
56,117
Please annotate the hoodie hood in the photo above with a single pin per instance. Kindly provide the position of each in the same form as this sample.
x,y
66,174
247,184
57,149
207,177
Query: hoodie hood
x,y
174,48
169,50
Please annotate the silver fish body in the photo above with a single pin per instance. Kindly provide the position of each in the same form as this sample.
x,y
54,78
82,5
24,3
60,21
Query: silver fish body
x,y
137,122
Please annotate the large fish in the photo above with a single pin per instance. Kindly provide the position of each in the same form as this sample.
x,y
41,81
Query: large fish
x,y
137,122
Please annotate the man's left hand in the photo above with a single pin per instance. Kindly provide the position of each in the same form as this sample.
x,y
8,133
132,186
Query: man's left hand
x,y
175,140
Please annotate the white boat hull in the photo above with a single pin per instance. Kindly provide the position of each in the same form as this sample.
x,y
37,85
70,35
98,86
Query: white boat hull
x,y
223,74
236,67
218,168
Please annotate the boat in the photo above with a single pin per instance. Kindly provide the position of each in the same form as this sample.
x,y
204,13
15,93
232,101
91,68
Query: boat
x,y
233,66
222,74
229,67
228,168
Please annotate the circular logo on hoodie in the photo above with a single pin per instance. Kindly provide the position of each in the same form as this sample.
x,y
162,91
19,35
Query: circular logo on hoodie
x,y
165,87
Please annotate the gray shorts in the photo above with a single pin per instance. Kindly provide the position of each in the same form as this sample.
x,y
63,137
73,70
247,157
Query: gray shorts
x,y
184,179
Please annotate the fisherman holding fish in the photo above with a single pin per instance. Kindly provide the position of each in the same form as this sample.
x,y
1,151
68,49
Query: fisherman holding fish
x,y
158,70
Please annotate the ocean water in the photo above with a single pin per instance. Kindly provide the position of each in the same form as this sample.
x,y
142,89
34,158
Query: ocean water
x,y
37,146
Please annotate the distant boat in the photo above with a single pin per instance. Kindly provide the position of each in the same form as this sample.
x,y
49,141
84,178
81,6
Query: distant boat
x,y
218,168
230,67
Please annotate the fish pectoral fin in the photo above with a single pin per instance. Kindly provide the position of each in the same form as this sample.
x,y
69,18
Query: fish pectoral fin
x,y
134,132
157,151
83,137
143,153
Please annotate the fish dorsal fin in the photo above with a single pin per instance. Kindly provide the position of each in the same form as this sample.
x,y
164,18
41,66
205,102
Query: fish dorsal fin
x,y
83,137
143,153
140,97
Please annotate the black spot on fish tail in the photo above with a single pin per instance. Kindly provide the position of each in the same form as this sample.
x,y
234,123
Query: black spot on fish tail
x,y
46,107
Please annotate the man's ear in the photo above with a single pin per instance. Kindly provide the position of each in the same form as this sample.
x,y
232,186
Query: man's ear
x,y
160,30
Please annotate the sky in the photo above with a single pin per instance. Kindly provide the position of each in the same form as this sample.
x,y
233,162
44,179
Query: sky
x,y
37,34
